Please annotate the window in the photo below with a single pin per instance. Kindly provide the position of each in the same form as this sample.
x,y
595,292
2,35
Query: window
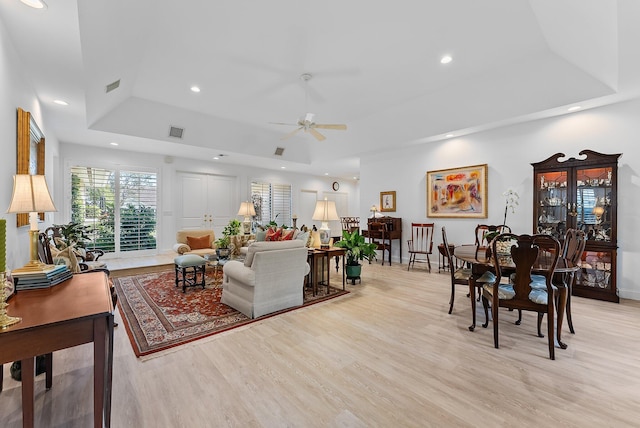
x,y
272,202
95,194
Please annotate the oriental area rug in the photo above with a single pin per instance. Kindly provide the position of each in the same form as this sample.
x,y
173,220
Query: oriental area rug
x,y
158,315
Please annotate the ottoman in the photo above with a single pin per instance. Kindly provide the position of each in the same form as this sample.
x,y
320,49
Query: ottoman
x,y
189,271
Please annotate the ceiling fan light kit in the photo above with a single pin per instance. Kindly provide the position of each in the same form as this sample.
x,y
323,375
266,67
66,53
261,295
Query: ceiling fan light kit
x,y
306,123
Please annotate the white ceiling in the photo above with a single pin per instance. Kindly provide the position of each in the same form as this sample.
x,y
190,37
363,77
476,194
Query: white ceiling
x,y
375,66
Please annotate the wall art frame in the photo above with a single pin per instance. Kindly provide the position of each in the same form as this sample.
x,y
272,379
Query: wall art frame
x,y
388,201
30,153
457,192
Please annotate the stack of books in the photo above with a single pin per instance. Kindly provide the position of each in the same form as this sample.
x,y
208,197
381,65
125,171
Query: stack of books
x,y
48,277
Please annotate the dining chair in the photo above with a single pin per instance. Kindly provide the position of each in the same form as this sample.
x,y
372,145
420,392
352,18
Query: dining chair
x,y
350,223
574,244
485,231
459,276
420,244
571,254
378,235
528,253
462,274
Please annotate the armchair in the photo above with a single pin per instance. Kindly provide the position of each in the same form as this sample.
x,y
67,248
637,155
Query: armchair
x,y
270,279
199,244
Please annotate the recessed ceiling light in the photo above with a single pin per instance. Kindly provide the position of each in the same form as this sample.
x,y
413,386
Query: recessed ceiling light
x,y
36,4
449,135
283,167
61,102
326,173
574,108
216,158
113,143
195,89
446,59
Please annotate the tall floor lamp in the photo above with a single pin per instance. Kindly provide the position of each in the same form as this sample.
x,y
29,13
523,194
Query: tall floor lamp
x,y
325,212
31,195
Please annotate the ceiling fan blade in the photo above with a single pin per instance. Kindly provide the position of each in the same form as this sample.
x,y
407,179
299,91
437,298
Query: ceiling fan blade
x,y
291,134
316,134
287,124
340,127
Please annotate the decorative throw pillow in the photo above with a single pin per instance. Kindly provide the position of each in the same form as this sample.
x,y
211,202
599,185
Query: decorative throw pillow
x,y
199,242
261,235
274,234
304,237
288,236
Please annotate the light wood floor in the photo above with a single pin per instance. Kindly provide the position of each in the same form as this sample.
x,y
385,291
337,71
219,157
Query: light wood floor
x,y
386,355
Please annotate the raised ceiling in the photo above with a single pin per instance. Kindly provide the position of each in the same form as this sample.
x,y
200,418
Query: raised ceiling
x,y
375,66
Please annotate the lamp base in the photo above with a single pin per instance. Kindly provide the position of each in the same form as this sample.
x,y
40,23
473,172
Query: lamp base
x,y
33,266
246,226
325,236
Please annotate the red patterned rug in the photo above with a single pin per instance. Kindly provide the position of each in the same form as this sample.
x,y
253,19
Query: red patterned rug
x,y
158,315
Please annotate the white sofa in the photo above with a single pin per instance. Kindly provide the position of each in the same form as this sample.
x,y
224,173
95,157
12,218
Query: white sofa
x,y
270,279
182,246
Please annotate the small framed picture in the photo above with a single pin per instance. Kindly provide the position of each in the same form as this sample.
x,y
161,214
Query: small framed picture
x,y
388,201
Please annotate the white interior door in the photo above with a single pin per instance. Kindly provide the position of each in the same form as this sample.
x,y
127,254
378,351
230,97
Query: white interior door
x,y
205,201
192,201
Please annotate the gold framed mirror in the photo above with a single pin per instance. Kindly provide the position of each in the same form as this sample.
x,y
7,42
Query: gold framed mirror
x,y
30,159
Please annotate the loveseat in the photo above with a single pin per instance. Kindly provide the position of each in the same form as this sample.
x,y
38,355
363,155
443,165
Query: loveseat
x,y
195,241
271,278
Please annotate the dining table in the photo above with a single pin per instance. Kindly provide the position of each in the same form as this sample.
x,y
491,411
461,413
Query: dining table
x,y
480,260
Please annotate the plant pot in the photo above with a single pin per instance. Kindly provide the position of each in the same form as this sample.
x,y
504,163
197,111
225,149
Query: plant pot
x,y
223,253
353,271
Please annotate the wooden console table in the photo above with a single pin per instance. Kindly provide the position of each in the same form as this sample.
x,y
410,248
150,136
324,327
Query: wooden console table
x,y
72,313
394,231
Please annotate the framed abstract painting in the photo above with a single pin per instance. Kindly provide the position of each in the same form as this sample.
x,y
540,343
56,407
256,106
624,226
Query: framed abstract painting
x,y
457,192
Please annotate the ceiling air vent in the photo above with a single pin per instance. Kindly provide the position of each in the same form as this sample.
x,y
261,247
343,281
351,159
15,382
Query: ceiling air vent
x,y
112,86
176,132
279,151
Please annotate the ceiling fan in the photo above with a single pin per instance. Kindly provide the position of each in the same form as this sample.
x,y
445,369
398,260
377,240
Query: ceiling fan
x,y
307,123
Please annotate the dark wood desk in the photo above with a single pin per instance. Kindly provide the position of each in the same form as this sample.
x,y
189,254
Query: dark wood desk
x,y
481,262
394,231
75,312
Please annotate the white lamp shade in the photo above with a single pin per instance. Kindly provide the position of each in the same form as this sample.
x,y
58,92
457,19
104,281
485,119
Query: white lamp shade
x,y
325,211
30,194
247,209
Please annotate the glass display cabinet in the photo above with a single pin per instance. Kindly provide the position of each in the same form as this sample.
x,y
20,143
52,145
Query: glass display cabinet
x,y
581,193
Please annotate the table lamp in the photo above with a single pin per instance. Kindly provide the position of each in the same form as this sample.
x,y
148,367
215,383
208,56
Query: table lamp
x,y
247,210
31,195
373,210
325,212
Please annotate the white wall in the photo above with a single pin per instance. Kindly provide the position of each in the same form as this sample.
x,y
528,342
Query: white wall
x,y
110,157
509,153
16,92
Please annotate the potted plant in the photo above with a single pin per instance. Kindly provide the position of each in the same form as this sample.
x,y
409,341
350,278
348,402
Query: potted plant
x,y
222,244
74,234
356,250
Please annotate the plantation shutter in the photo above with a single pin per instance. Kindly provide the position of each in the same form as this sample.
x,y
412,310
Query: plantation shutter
x,y
95,194
137,210
281,203
92,202
272,202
